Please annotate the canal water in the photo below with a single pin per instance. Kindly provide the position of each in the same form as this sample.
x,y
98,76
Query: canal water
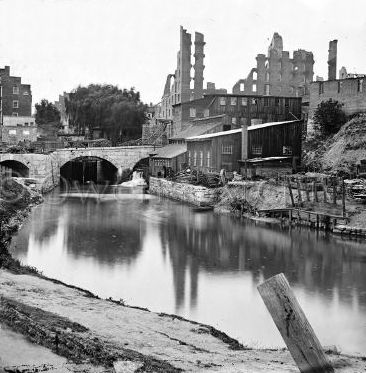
x,y
160,254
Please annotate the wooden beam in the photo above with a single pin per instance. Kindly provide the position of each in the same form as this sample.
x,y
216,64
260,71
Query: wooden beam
x,y
293,325
324,189
299,191
334,190
343,199
290,191
315,192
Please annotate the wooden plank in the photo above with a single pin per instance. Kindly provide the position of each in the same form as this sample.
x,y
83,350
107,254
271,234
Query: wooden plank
x,y
299,190
343,199
293,325
315,192
307,192
324,190
290,191
334,191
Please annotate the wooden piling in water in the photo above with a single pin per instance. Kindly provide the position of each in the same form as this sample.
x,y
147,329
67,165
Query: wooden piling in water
x,y
293,325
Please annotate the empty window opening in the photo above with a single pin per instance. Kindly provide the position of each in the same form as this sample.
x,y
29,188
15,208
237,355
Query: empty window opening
x,y
254,75
321,88
192,112
241,87
359,85
233,101
254,88
222,101
244,101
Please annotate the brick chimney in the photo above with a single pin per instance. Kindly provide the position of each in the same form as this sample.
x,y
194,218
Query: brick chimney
x,y
244,142
332,60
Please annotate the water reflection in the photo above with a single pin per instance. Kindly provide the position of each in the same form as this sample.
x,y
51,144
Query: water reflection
x,y
160,254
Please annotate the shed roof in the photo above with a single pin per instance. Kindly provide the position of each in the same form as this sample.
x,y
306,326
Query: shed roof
x,y
194,130
231,132
216,134
170,151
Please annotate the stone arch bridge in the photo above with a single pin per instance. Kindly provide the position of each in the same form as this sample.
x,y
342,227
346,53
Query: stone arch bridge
x,y
45,168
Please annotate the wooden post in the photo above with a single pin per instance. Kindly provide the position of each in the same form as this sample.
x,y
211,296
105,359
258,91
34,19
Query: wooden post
x,y
343,199
334,191
315,192
290,191
317,221
299,190
293,325
324,190
307,192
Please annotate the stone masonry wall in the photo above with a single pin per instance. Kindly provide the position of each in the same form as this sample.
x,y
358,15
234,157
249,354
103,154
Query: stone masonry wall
x,y
196,195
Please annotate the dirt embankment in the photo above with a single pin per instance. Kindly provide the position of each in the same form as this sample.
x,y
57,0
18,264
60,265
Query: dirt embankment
x,y
16,201
249,197
86,329
339,153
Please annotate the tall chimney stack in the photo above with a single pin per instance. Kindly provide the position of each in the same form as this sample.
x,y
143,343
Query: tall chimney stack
x,y
199,55
332,60
244,142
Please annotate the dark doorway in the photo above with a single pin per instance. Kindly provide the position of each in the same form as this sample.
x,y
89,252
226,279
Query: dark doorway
x,y
89,169
14,169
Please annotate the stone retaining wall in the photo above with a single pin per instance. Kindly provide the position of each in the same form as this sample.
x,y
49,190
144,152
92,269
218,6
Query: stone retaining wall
x,y
197,195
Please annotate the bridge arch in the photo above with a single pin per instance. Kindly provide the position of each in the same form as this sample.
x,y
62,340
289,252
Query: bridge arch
x,y
89,168
14,167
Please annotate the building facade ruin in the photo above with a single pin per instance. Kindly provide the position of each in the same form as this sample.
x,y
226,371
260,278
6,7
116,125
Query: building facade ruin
x,y
276,74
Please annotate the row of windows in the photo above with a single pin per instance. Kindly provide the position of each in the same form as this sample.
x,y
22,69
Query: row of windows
x,y
16,91
200,160
339,87
243,102
233,101
14,132
257,150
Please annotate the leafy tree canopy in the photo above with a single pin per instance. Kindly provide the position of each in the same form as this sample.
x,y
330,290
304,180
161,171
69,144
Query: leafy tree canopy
x,y
117,113
329,117
46,112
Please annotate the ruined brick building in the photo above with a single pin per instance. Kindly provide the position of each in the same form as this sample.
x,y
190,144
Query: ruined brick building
x,y
187,81
276,74
184,85
349,89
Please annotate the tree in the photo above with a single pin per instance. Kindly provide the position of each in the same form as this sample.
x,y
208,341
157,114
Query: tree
x,y
329,117
117,113
46,112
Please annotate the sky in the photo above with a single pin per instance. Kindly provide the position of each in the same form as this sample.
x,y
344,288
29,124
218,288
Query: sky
x,y
56,45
